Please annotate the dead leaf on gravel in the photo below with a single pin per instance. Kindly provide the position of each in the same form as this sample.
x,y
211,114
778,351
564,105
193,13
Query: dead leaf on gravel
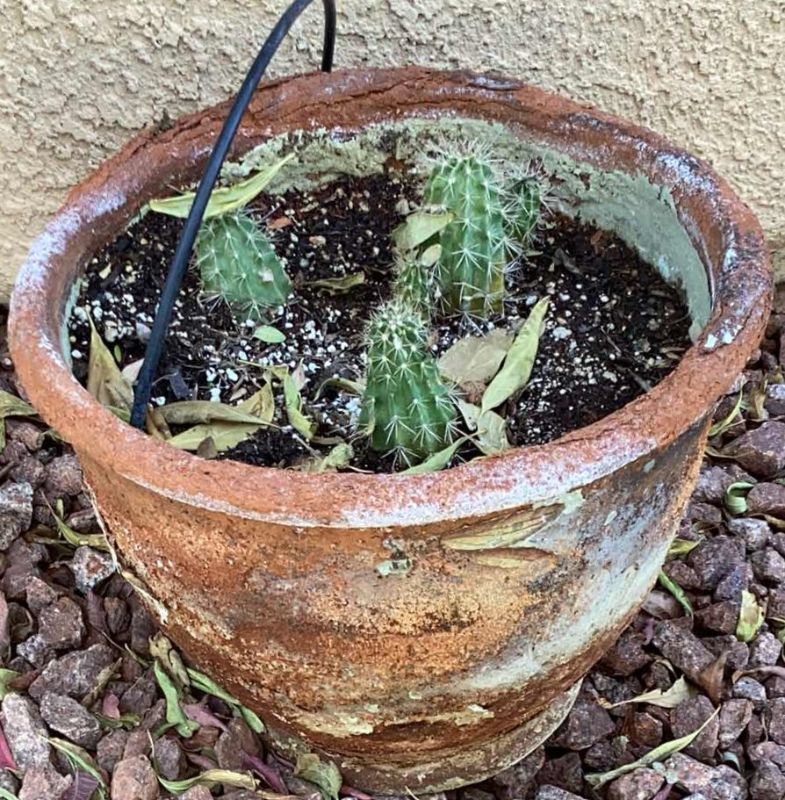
x,y
712,678
324,774
489,429
678,693
419,227
676,591
238,780
665,750
339,285
751,617
338,458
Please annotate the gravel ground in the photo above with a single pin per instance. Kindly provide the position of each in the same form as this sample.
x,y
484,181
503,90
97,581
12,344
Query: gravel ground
x,y
78,643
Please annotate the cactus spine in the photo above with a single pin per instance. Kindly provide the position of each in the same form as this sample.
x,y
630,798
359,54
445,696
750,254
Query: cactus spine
x,y
238,263
414,283
475,244
406,404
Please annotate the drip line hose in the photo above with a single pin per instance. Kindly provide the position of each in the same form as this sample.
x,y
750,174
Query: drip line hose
x,y
179,265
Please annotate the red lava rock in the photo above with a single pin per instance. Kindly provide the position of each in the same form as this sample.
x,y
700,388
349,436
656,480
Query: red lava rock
x,y
720,617
110,749
16,511
134,779
70,718
712,485
73,674
29,470
555,793
704,513
682,648
139,697
733,584
765,650
585,724
232,743
760,451
627,655
775,686
713,559
776,604
642,784
767,498
646,730
735,714
768,566
44,783
30,435
515,781
118,617
90,568
768,783
25,731
749,689
775,719
754,532
687,717
61,625
63,477
169,758
564,772
717,783
39,594
35,651
775,399
661,605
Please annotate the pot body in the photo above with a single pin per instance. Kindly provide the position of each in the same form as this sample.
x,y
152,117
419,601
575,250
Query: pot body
x,y
421,631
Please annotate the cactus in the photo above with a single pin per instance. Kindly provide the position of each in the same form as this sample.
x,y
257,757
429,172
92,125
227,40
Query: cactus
x,y
238,263
475,244
414,279
524,213
407,406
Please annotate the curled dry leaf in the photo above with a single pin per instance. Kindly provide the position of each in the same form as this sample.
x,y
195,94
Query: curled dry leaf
x,y
339,285
751,617
223,200
324,774
489,429
419,228
517,367
596,780
678,693
676,591
735,499
338,458
239,780
475,359
437,461
105,382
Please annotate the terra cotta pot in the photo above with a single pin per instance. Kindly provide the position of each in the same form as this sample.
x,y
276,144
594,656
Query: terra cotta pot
x,y
422,631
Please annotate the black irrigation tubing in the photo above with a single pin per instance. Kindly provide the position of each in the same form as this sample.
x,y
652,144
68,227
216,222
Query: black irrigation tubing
x,y
179,265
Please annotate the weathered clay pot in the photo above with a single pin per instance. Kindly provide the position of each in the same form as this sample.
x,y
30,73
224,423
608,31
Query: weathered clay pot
x,y
422,631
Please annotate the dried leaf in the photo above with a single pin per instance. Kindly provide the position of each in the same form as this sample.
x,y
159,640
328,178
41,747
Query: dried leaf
x,y
712,678
475,359
95,540
265,771
175,715
665,750
105,382
13,406
751,617
517,367
202,715
344,384
223,200
80,760
489,428
419,227
338,458
680,547
324,774
339,285
194,412
437,461
678,693
162,650
240,780
294,403
83,787
268,334
200,681
7,676
676,591
735,499
720,427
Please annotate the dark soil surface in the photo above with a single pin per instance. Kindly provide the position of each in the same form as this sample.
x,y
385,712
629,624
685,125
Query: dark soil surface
x,y
613,330
78,638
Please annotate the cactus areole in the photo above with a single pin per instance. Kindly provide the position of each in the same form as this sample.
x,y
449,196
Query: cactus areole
x,y
422,631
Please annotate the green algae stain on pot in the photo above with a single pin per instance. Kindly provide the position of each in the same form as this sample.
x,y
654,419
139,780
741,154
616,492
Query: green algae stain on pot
x,y
642,213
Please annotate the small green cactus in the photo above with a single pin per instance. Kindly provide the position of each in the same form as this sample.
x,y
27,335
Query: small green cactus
x,y
475,244
407,406
238,263
414,282
525,209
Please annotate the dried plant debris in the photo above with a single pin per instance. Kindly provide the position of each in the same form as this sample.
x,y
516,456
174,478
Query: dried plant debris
x,y
602,326
680,706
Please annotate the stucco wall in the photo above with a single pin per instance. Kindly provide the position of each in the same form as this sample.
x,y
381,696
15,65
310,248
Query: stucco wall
x,y
79,77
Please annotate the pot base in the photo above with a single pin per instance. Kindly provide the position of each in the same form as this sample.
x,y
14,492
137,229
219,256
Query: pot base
x,y
446,769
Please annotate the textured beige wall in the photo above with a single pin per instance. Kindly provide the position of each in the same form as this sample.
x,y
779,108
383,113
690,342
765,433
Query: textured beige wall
x,y
79,77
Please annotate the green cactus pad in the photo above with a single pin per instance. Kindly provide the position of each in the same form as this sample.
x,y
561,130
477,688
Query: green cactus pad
x,y
475,244
406,405
238,263
414,282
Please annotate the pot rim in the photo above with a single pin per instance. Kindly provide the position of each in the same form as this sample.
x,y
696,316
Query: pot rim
x,y
740,275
